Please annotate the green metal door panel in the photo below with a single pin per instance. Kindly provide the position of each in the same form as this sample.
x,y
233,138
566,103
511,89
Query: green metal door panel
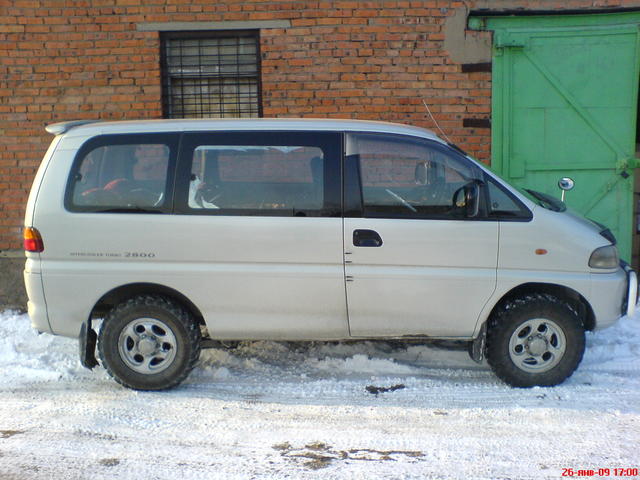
x,y
538,93
588,58
530,144
565,92
571,143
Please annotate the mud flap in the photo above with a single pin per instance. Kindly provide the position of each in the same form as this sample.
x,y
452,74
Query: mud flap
x,y
87,345
476,348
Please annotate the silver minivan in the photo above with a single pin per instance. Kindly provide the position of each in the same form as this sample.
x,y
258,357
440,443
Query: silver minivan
x,y
177,233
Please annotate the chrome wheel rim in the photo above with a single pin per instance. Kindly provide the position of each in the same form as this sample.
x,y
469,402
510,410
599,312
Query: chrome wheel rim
x,y
147,345
537,345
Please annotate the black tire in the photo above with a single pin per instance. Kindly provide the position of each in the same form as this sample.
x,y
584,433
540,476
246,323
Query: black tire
x,y
149,342
535,340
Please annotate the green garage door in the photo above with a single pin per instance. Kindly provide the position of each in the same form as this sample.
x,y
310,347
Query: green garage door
x,y
565,96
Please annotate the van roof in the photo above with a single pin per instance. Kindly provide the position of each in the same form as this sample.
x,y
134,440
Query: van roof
x,y
90,128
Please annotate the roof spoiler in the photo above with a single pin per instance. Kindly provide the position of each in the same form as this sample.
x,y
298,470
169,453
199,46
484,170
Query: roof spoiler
x,y
64,127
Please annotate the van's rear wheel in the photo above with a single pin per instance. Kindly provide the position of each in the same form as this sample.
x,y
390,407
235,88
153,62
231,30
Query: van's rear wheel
x,y
149,342
535,340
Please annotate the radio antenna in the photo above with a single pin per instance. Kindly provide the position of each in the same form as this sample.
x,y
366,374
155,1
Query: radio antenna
x,y
435,121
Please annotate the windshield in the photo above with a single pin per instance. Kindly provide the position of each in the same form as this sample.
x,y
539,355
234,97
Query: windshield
x,y
544,200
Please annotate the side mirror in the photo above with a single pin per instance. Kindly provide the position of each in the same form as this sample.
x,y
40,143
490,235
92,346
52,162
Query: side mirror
x,y
565,184
468,198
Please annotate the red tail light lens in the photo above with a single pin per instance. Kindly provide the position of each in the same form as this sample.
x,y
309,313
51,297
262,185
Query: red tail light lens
x,y
32,240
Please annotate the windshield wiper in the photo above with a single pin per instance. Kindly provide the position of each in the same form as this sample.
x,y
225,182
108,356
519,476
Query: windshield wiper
x,y
547,201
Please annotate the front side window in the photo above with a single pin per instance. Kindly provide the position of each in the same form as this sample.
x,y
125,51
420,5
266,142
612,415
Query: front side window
x,y
404,177
117,174
211,75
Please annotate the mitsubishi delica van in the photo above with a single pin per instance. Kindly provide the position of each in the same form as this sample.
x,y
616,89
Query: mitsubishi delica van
x,y
178,233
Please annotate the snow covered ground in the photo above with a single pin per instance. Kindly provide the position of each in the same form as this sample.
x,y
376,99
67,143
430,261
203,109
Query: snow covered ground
x,y
277,410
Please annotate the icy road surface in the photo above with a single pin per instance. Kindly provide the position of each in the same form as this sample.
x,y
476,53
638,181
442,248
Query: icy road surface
x,y
274,410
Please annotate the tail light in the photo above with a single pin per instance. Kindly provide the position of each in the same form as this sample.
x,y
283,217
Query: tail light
x,y
32,240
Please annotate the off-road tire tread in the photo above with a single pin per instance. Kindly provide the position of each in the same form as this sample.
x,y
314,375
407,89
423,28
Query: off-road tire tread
x,y
171,307
511,312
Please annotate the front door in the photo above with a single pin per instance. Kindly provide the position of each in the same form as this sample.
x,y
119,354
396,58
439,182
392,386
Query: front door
x,y
414,264
565,92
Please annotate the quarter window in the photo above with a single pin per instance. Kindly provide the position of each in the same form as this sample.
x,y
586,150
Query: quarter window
x,y
503,205
119,175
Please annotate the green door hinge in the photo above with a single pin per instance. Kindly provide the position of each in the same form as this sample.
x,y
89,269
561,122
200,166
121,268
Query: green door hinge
x,y
627,163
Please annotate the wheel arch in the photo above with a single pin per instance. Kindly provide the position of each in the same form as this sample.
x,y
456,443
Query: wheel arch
x,y
574,298
119,294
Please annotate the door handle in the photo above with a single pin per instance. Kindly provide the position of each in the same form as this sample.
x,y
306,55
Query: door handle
x,y
366,238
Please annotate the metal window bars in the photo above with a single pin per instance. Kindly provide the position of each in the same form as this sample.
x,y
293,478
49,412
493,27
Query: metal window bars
x,y
211,74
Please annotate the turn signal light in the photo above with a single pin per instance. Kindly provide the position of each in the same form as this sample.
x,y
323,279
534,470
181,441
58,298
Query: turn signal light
x,y
32,240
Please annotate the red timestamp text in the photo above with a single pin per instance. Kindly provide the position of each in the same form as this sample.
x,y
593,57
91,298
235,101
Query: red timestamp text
x,y
601,472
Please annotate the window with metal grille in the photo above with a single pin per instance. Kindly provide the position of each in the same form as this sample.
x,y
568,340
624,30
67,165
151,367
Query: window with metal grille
x,y
211,74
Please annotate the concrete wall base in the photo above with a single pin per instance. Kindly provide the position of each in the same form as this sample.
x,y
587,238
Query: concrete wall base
x,y
12,293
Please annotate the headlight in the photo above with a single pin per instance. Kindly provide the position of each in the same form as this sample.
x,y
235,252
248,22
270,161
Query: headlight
x,y
604,257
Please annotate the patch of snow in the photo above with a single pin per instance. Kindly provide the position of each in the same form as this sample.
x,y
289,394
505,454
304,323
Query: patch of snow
x,y
280,409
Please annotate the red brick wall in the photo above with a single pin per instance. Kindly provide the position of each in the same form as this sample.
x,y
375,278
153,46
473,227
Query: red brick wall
x,y
63,60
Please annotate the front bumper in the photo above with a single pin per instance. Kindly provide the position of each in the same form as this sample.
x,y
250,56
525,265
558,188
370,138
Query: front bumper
x,y
613,295
631,299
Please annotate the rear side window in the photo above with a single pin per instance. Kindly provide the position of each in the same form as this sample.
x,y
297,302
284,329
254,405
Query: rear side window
x,y
279,174
122,173
263,177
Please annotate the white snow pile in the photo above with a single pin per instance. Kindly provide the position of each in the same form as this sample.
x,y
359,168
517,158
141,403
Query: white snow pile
x,y
304,410
28,356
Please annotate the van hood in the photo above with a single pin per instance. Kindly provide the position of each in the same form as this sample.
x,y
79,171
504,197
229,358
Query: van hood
x,y
603,230
548,202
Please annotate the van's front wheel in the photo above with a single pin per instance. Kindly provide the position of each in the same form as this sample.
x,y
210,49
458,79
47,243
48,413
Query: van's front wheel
x,y
535,340
149,342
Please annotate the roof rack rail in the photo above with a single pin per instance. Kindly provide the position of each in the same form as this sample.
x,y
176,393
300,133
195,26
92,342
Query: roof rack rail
x,y
64,127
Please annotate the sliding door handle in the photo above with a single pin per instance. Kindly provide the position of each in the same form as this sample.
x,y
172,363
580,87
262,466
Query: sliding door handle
x,y
366,238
